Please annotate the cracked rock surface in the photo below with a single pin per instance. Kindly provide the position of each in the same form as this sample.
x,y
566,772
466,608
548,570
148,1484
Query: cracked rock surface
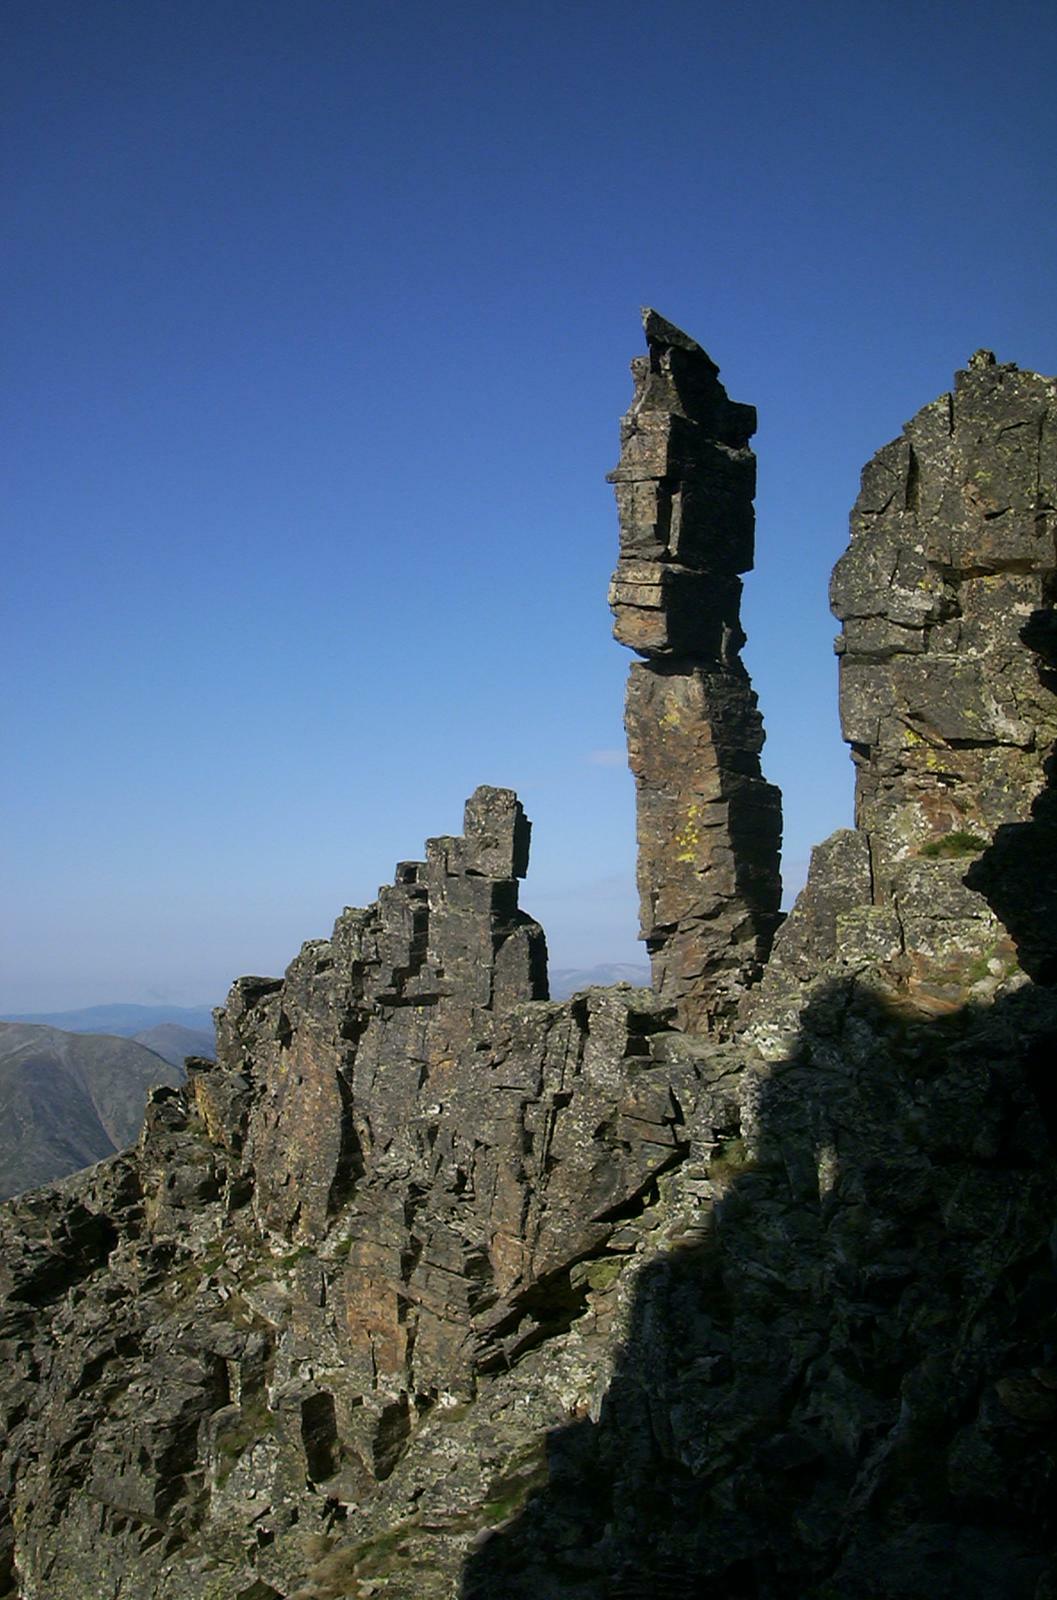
x,y
430,1288
709,826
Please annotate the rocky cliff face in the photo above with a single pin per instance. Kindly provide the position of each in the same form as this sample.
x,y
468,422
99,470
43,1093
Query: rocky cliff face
x,y
432,1287
404,1174
946,597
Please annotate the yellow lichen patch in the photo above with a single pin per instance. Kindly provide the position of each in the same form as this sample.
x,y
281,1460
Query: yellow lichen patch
x,y
687,840
207,1109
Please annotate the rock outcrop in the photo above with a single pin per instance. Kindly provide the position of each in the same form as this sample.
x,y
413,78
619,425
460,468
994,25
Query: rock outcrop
x,y
709,826
838,1372
951,557
946,596
405,1171
433,1287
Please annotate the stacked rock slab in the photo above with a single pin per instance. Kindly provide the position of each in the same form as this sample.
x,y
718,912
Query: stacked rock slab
x,y
431,1288
709,826
444,945
944,891
406,1173
946,598
952,553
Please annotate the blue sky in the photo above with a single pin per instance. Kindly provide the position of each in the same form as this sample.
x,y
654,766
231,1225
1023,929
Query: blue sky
x,y
317,322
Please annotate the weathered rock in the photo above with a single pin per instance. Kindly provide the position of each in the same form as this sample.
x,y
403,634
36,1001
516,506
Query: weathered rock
x,y
405,1171
709,827
951,555
946,692
831,1379
431,1287
836,1372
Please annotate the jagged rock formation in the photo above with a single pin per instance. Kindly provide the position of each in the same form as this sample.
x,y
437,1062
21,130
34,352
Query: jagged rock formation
x,y
838,1376
431,1287
946,596
404,1172
952,553
709,827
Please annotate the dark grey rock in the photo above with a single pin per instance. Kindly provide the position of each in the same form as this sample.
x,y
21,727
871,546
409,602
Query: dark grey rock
x,y
430,1286
709,826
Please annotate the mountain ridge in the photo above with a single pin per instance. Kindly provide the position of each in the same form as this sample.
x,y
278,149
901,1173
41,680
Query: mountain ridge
x,y
68,1100
117,1018
436,1288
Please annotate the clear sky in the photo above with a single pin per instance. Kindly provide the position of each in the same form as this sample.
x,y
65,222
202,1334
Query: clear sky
x,y
317,322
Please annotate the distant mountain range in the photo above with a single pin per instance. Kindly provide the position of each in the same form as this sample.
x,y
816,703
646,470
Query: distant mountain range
x,y
124,1021
175,1043
69,1099
565,981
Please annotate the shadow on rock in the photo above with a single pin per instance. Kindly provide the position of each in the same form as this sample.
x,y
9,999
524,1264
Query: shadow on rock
x,y
840,1372
1017,873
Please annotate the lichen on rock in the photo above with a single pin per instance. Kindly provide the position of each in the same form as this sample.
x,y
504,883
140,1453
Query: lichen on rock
x,y
430,1287
709,826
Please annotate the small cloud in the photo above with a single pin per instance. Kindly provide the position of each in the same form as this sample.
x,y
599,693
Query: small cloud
x,y
606,758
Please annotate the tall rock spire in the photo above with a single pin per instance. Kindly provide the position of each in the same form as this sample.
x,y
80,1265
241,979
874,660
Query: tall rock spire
x,y
709,826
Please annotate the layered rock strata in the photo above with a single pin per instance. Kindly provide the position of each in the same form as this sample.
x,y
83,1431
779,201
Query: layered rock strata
x,y
709,826
951,556
838,1373
405,1171
946,888
430,1287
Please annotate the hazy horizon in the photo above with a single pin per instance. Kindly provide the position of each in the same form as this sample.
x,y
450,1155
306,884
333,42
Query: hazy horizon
x,y
189,1014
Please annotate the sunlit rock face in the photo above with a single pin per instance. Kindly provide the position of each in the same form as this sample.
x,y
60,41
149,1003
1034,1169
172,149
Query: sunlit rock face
x,y
945,596
709,826
951,556
432,1288
405,1174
